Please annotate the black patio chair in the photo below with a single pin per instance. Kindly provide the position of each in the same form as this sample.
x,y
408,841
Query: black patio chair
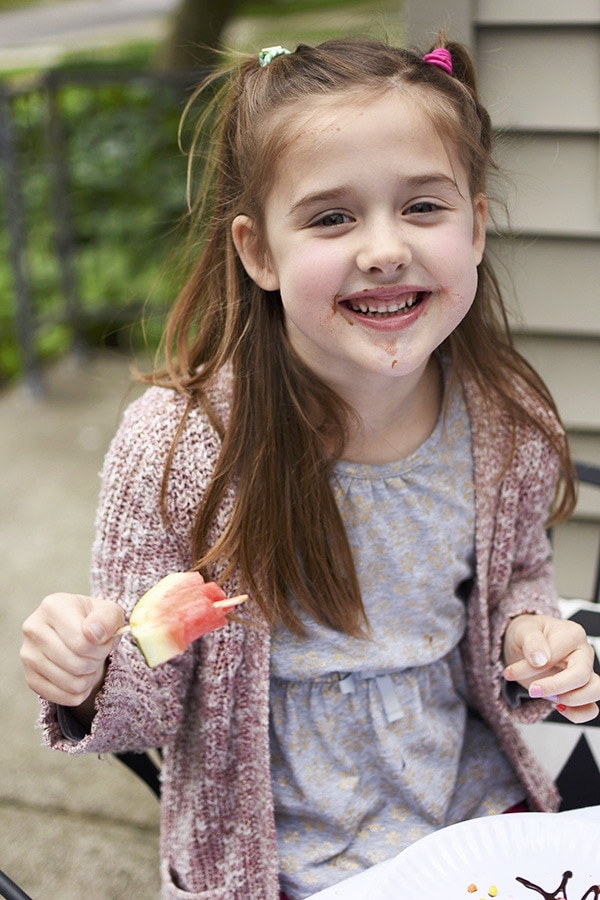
x,y
145,767
11,891
590,474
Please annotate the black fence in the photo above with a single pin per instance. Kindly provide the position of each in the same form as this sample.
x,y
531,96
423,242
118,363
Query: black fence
x,y
93,188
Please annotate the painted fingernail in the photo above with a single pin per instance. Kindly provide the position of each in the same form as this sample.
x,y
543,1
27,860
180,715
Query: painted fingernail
x,y
553,698
539,658
535,691
561,707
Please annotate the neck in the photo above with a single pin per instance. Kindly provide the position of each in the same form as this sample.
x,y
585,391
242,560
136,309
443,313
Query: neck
x,y
393,423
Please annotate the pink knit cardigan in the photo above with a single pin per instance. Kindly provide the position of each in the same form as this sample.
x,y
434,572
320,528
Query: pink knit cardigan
x,y
209,708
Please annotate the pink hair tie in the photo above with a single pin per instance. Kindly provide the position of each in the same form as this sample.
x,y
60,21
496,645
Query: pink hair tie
x,y
440,57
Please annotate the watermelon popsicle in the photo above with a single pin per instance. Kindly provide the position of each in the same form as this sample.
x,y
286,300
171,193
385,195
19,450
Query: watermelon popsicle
x,y
176,611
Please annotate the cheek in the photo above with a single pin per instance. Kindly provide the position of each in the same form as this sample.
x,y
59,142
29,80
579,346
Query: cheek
x,y
460,260
459,277
311,273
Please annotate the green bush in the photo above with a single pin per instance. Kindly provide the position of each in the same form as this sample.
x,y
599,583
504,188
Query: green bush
x,y
125,196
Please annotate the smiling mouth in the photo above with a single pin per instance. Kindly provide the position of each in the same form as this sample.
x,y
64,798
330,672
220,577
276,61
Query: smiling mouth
x,y
383,310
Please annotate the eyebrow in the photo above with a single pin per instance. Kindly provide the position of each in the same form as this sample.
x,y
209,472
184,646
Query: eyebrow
x,y
414,182
318,197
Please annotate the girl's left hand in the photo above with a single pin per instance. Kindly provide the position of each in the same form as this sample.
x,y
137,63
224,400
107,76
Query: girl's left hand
x,y
553,658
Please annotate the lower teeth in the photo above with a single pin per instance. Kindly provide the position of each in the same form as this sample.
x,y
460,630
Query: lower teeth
x,y
385,315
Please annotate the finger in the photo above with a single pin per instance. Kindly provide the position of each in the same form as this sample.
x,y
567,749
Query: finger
x,y
529,651
46,648
101,625
62,615
74,694
589,693
577,673
536,649
523,671
54,657
578,714
73,617
64,645
55,683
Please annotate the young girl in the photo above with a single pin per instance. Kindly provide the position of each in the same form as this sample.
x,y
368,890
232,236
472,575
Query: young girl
x,y
345,431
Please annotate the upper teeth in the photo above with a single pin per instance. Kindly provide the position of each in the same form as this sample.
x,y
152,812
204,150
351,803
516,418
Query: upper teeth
x,y
396,306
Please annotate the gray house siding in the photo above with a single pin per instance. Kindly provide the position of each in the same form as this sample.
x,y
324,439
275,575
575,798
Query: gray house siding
x,y
539,69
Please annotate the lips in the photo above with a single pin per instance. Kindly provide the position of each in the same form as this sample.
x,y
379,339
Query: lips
x,y
378,306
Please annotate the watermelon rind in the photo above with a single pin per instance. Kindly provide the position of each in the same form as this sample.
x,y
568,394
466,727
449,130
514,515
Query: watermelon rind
x,y
154,645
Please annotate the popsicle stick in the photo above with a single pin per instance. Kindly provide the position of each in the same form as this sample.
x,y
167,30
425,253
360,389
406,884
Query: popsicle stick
x,y
231,601
220,604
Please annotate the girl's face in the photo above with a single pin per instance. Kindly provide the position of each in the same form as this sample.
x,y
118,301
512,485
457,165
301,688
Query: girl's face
x,y
371,238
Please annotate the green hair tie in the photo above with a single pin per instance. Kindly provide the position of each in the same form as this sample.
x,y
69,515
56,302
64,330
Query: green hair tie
x,y
268,54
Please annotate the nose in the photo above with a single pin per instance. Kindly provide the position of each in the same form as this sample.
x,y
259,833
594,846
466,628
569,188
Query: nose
x,y
383,250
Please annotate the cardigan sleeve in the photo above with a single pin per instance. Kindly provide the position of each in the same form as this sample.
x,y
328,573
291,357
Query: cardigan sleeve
x,y
134,547
521,578
521,570
516,475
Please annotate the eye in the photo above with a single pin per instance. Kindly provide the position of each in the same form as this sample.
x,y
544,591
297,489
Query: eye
x,y
332,219
422,206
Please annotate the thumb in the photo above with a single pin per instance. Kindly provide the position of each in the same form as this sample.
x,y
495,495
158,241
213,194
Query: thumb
x,y
530,642
530,652
103,622
537,651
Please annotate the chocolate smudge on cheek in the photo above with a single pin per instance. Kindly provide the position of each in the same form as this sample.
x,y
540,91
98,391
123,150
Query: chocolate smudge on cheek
x,y
337,310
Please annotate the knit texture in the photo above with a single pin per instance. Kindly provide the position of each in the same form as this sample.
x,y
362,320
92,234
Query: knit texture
x,y
209,708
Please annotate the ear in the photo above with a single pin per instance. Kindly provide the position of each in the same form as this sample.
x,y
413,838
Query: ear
x,y
480,217
254,258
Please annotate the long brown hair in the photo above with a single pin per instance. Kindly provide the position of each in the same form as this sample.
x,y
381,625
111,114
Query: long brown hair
x,y
287,429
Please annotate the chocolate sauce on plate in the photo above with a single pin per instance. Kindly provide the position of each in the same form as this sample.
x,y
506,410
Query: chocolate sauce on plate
x,y
561,891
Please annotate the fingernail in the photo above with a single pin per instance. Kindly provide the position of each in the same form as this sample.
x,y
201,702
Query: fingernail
x,y
553,698
535,691
561,707
539,659
97,630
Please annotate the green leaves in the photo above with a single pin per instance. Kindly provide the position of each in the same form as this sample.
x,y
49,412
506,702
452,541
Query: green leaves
x,y
123,197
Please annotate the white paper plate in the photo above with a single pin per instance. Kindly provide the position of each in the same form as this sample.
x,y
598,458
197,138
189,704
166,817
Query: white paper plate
x,y
494,851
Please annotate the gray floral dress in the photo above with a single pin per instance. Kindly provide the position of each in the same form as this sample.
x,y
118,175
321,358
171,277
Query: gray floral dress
x,y
372,744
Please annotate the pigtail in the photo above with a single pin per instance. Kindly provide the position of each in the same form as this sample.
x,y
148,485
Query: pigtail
x,y
462,66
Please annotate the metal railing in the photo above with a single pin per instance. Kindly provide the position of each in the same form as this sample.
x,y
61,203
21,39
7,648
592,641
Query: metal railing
x,y
50,162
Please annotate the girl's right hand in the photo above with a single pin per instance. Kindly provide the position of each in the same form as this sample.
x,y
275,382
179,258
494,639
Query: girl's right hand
x,y
66,644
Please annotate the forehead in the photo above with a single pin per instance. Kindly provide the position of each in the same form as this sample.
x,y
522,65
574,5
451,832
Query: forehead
x,y
321,136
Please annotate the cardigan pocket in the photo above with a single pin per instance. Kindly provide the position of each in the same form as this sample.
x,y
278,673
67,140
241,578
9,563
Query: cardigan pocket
x,y
171,892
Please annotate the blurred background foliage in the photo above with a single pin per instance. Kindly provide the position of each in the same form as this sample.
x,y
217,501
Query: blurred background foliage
x,y
124,195
126,188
